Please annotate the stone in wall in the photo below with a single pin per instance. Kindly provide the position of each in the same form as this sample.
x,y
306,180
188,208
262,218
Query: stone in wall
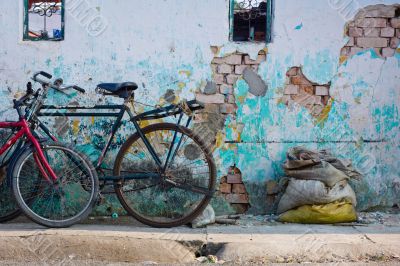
x,y
375,27
300,90
218,94
233,190
226,71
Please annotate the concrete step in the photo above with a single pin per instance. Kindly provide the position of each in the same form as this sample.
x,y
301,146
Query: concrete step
x,y
23,242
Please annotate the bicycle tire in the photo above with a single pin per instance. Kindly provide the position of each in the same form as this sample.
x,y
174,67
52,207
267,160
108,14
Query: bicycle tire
x,y
61,191
119,185
9,209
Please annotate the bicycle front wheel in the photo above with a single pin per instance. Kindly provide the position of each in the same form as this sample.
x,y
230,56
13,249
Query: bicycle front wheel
x,y
177,192
8,206
59,203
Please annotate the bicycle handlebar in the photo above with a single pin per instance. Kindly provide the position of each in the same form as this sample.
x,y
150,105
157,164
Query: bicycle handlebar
x,y
77,88
48,83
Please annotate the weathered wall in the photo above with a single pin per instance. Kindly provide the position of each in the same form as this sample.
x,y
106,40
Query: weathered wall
x,y
351,105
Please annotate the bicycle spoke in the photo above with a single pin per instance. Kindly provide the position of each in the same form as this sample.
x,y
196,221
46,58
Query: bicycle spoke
x,y
61,201
165,202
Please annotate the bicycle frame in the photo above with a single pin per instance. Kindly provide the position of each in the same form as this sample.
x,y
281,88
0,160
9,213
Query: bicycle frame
x,y
39,157
118,111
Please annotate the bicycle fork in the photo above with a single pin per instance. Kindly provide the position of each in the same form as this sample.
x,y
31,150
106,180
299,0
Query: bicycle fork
x,y
39,156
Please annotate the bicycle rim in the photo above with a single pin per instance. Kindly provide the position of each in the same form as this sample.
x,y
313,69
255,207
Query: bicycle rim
x,y
61,203
153,201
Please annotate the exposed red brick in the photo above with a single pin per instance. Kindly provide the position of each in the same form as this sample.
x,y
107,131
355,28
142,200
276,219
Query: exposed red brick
x,y
395,22
291,89
211,108
215,98
230,99
226,89
233,59
237,198
231,78
217,60
292,72
387,32
228,108
371,22
325,99
239,69
394,42
307,89
299,80
375,42
372,32
223,179
225,188
239,188
225,69
219,79
321,90
355,32
234,178
379,11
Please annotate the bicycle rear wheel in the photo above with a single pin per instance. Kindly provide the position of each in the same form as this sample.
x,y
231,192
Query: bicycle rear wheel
x,y
177,195
64,202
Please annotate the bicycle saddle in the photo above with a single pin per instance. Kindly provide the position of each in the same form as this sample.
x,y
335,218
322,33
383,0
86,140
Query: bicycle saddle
x,y
123,90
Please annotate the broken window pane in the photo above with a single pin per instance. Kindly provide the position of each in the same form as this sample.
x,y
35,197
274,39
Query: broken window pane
x,y
251,20
44,20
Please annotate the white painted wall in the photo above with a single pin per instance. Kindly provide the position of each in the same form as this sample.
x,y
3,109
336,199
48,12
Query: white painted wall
x,y
152,42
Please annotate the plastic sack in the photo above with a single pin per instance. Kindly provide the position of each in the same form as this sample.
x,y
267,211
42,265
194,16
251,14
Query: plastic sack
x,y
335,212
306,192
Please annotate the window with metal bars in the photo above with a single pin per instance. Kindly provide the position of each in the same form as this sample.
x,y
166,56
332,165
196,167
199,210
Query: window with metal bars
x,y
43,20
251,20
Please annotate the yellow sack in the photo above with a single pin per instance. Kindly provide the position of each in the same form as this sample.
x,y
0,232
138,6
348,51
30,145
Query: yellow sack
x,y
335,212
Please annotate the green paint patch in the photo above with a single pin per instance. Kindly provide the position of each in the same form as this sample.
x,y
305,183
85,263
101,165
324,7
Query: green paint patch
x,y
299,27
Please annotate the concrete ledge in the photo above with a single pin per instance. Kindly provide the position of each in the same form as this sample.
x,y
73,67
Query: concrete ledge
x,y
136,244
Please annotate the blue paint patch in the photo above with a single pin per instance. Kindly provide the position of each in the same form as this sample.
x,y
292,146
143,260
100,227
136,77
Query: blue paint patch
x,y
321,67
299,27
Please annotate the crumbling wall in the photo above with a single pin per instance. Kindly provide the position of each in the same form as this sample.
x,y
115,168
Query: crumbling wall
x,y
233,190
376,27
313,96
226,70
261,99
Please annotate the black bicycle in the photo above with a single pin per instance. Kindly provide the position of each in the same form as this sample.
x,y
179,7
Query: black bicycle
x,y
164,174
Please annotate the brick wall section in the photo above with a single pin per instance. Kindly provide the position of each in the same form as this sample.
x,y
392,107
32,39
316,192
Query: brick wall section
x,y
226,71
300,90
219,99
376,27
234,191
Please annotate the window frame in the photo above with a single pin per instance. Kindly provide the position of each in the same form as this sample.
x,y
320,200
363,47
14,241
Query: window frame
x,y
26,36
269,21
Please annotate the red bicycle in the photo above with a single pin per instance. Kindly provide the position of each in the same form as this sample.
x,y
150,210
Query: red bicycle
x,y
53,184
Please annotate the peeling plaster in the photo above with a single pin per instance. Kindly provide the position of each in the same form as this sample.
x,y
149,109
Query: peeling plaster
x,y
173,58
